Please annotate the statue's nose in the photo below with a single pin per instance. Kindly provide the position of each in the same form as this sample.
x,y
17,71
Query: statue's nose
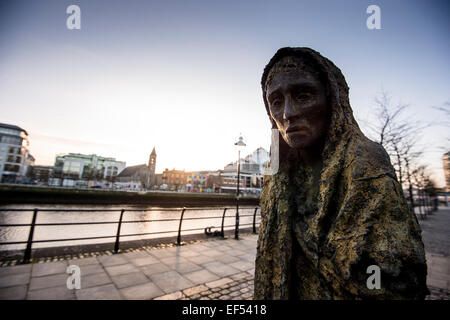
x,y
289,109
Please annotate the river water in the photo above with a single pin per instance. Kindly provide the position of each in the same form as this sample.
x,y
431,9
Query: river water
x,y
20,233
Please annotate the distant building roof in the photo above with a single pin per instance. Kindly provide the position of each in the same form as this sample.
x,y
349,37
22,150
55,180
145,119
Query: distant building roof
x,y
132,171
11,126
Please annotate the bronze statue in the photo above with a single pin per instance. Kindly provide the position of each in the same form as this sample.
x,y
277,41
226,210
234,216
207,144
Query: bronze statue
x,y
334,208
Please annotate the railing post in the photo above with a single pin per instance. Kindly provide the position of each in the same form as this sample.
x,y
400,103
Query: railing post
x,y
27,255
179,227
222,232
254,220
236,227
116,245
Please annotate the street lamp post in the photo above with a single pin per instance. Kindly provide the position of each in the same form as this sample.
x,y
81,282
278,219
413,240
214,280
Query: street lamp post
x,y
239,144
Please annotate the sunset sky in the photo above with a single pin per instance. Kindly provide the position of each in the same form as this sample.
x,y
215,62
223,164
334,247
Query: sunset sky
x,y
184,76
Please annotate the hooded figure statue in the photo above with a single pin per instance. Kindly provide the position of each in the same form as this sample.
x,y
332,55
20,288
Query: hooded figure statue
x,y
334,220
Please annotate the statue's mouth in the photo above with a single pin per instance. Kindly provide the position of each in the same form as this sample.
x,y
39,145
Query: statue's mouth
x,y
297,129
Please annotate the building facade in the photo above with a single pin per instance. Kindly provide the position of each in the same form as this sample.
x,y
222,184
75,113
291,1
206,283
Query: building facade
x,y
41,174
139,177
251,173
446,164
15,159
76,169
174,180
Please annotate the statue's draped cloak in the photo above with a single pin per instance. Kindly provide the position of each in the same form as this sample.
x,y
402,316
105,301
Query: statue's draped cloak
x,y
321,249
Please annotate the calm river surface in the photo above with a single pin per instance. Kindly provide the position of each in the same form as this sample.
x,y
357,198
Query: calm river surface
x,y
9,234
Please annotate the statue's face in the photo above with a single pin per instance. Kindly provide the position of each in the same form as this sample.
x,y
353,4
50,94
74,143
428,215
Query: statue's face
x,y
298,105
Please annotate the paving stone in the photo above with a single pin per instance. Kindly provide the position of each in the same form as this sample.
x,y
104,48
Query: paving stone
x,y
212,253
201,259
14,280
220,269
55,280
198,247
54,293
142,292
237,252
89,269
136,254
228,259
239,276
214,295
84,261
188,253
187,267
201,276
93,280
194,290
48,268
144,261
247,295
172,296
23,268
121,269
171,281
438,283
242,265
234,294
112,260
225,247
174,261
155,268
218,283
162,253
14,293
248,257
105,292
129,279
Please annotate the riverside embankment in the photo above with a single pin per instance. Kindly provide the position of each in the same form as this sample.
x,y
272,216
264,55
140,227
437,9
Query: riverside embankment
x,y
22,194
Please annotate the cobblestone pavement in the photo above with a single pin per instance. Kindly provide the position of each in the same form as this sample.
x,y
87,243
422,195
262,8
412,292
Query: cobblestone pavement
x,y
211,269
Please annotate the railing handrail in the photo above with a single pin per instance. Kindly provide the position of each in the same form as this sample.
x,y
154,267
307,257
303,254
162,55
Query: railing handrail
x,y
117,210
118,235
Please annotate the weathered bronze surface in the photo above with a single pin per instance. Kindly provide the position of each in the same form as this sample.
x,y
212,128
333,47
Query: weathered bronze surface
x,y
334,207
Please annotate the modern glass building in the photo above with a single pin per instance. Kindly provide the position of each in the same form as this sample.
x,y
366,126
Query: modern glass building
x,y
15,159
77,169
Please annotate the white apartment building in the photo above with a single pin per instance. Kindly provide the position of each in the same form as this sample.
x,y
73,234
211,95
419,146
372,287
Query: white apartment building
x,y
77,169
15,159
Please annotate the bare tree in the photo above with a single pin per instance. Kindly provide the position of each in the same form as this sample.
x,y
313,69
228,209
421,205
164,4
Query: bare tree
x,y
399,136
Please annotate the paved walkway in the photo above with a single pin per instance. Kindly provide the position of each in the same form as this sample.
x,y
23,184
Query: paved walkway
x,y
212,269
436,238
207,270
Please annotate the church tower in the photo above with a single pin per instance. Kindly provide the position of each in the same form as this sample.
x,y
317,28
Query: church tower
x,y
152,167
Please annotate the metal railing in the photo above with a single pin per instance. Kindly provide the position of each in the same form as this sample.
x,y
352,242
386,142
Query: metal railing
x,y
29,243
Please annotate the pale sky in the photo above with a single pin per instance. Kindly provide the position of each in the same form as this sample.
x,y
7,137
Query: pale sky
x,y
184,76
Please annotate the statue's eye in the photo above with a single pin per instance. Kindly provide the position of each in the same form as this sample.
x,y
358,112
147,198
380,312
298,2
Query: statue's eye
x,y
276,102
302,96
